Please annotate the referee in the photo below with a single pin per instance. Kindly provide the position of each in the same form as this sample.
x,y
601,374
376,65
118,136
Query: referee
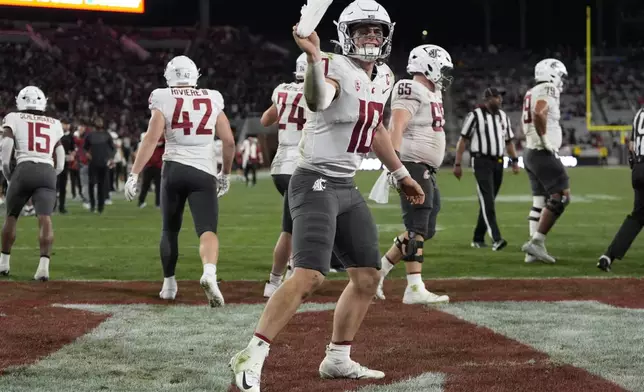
x,y
633,223
489,132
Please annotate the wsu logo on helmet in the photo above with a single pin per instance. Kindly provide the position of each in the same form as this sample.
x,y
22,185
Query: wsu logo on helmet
x,y
433,53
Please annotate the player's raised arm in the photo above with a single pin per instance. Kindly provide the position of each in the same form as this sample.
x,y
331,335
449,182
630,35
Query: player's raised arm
x,y
319,91
7,152
149,142
225,134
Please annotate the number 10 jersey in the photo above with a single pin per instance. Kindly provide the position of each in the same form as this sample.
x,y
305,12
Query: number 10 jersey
x,y
190,117
334,141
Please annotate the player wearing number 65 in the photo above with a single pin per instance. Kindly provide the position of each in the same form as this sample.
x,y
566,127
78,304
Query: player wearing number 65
x,y
417,119
345,96
35,138
188,118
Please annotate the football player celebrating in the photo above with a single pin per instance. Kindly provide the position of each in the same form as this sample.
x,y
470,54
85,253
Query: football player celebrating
x,y
35,138
188,118
416,125
547,175
287,111
345,96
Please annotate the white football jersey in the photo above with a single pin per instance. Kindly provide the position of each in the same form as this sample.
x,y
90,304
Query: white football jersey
x,y
335,140
35,136
549,93
288,98
190,118
424,139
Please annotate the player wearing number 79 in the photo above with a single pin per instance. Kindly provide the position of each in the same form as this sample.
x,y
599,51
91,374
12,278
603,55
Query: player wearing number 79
x,y
35,138
188,118
417,119
343,123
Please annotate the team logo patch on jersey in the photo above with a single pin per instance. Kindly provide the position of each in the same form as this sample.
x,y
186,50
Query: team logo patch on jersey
x,y
426,175
357,85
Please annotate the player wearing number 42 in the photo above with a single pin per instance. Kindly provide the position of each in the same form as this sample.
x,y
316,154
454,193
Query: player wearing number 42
x,y
188,118
547,175
416,127
36,139
344,103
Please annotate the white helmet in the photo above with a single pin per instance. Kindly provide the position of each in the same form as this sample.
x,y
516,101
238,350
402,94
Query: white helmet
x,y
31,98
432,61
300,67
364,12
181,71
551,70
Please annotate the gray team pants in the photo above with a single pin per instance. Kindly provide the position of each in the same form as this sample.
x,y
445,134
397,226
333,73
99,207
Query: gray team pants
x,y
421,218
84,179
32,180
330,216
546,172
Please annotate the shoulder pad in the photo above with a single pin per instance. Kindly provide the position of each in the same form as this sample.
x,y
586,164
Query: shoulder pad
x,y
155,99
218,98
407,89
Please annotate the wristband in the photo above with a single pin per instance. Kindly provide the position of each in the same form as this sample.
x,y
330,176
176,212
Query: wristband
x,y
514,160
400,173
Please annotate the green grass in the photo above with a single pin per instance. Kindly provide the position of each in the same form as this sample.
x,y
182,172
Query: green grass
x,y
123,243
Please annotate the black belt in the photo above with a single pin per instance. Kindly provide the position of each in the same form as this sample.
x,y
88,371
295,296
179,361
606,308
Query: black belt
x,y
639,159
490,157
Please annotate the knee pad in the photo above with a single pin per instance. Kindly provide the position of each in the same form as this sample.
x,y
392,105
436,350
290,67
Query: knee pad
x,y
399,244
558,204
413,245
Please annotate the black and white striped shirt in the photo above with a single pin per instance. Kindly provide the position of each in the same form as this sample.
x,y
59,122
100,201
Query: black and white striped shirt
x,y
488,132
638,134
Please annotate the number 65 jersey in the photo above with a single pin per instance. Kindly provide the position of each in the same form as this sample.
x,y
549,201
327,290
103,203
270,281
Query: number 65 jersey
x,y
424,140
335,140
35,136
190,118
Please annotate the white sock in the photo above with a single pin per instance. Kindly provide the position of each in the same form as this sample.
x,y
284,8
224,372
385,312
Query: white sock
x,y
44,263
258,347
415,279
275,279
4,260
339,352
538,237
386,266
170,283
210,269
538,203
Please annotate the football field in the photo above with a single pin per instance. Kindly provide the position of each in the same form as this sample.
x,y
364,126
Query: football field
x,y
122,244
98,324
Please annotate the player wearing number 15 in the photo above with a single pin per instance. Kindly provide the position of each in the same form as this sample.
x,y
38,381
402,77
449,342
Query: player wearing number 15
x,y
547,175
35,138
188,118
343,122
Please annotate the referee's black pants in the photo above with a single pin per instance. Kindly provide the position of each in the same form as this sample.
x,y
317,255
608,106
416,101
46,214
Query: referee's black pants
x,y
488,172
633,223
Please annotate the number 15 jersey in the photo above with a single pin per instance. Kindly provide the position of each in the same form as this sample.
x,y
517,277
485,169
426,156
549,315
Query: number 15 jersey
x,y
190,117
335,140
35,136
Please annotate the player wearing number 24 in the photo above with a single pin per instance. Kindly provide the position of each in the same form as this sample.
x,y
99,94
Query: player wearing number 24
x,y
188,118
345,97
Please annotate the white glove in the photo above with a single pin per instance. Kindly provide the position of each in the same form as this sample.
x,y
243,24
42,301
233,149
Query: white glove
x,y
223,184
311,15
130,186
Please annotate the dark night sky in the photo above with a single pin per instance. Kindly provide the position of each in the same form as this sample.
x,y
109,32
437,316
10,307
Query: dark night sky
x,y
448,22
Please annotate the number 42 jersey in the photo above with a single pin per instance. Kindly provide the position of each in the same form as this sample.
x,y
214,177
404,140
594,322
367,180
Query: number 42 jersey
x,y
335,140
35,136
190,117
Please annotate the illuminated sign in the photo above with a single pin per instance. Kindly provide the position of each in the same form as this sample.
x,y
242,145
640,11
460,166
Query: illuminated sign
x,y
131,6
370,164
